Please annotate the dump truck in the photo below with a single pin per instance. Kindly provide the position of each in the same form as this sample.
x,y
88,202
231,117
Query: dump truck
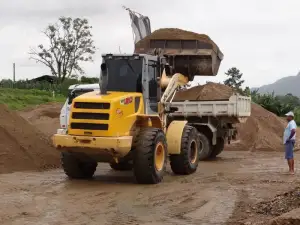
x,y
132,123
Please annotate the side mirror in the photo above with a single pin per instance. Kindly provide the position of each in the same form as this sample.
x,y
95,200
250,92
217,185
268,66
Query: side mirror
x,y
103,67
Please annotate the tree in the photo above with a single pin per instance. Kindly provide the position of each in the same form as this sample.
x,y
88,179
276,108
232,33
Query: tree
x,y
247,91
69,43
234,79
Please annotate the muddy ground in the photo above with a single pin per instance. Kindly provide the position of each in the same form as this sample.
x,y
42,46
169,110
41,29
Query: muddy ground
x,y
225,191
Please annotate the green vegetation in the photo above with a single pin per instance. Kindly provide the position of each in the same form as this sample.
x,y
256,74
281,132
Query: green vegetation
x,y
61,88
17,99
278,104
25,93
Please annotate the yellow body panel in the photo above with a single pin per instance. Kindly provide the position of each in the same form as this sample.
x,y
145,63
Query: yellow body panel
x,y
122,117
174,134
115,146
125,116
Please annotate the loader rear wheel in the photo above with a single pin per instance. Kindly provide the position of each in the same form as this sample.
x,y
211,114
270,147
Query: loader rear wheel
x,y
121,166
77,169
218,148
150,156
187,161
205,147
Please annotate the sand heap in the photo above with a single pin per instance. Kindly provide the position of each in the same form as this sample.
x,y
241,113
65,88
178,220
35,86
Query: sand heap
x,y
22,146
262,131
44,117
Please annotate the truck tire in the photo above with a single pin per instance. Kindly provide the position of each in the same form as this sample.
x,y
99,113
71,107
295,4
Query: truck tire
x,y
218,148
121,166
150,156
75,168
205,148
187,161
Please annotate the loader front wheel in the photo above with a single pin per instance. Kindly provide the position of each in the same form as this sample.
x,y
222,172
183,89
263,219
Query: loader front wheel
x,y
187,161
77,169
121,166
150,156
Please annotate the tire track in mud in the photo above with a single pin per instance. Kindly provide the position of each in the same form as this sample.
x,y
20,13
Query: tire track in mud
x,y
183,205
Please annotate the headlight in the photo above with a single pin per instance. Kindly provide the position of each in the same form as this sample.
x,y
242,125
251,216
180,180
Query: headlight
x,y
61,131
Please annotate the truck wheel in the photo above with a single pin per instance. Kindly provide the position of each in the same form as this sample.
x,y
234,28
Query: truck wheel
x,y
218,148
150,156
77,169
187,161
121,166
205,147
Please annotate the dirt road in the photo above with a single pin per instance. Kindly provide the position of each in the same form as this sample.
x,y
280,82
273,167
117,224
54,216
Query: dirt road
x,y
225,191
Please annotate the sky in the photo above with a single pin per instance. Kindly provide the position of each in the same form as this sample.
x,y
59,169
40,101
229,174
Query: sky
x,y
260,38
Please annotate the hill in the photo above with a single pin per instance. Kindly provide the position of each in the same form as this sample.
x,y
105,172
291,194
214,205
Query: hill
x,y
283,86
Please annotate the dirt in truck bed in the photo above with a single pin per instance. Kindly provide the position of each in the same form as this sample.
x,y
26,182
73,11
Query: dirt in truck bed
x,y
207,92
22,146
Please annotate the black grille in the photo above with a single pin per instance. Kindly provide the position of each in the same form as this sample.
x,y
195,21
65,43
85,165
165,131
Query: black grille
x,y
90,116
89,126
91,105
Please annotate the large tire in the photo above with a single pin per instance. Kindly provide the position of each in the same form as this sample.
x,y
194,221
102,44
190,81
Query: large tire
x,y
75,168
205,148
218,148
187,161
150,156
121,166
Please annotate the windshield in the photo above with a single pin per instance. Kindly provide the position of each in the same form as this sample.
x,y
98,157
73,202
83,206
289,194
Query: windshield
x,y
124,74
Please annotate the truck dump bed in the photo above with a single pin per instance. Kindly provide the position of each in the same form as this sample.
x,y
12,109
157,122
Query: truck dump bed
x,y
236,106
187,52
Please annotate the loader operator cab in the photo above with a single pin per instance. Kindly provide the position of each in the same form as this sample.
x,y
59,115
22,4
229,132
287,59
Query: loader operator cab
x,y
132,73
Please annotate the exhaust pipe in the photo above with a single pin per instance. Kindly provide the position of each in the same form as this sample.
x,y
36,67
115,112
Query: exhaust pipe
x,y
103,79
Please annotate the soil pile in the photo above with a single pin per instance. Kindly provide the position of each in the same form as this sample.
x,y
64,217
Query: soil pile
x,y
290,218
208,92
175,33
171,34
44,117
263,131
281,204
22,146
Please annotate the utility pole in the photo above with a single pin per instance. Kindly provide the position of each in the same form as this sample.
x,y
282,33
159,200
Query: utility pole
x,y
14,74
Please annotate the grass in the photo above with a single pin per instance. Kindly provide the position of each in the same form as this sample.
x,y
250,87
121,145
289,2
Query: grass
x,y
17,99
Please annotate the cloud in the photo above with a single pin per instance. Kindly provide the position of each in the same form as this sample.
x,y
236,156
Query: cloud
x,y
258,37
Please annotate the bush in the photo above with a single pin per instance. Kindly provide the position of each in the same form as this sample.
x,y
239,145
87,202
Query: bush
x,y
279,105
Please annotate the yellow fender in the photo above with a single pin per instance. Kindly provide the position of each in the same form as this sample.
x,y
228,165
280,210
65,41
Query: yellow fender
x,y
174,134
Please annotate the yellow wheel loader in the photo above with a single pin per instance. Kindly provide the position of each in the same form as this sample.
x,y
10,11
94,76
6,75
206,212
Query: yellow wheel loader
x,y
128,124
